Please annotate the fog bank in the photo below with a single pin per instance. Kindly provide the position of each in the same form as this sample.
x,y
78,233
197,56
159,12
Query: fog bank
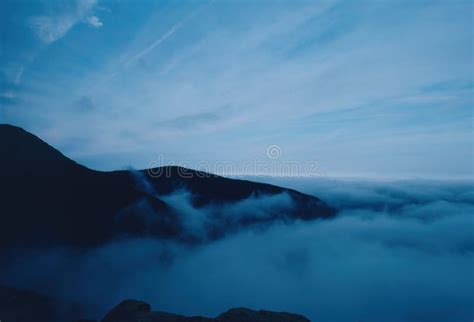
x,y
397,251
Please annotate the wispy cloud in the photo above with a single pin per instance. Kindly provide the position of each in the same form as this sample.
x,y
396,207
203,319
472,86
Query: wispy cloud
x,y
18,75
94,21
8,94
341,83
50,28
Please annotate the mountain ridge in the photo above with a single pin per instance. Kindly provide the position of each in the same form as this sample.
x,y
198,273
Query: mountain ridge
x,y
49,198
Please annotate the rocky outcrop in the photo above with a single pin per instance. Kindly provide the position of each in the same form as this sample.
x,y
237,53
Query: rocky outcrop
x,y
138,311
247,315
27,306
129,311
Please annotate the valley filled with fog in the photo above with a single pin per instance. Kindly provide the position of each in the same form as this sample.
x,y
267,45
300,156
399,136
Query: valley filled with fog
x,y
395,251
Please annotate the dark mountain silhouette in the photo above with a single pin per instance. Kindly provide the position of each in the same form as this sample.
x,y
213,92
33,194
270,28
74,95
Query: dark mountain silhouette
x,y
46,198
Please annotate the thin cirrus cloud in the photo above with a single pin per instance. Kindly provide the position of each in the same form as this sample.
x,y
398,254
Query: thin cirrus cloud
x,y
169,33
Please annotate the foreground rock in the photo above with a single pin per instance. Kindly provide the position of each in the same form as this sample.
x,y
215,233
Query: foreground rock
x,y
138,311
27,306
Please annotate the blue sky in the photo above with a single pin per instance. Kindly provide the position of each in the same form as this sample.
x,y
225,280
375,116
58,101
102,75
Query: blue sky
x,y
362,88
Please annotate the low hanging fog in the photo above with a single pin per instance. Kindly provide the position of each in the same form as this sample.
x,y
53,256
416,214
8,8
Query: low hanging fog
x,y
396,251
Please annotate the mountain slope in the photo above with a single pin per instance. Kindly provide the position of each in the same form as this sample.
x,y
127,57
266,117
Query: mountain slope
x,y
47,198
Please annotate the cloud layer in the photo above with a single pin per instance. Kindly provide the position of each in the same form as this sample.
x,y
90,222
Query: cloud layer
x,y
410,260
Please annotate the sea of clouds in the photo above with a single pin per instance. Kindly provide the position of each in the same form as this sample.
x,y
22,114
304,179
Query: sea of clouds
x,y
396,251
